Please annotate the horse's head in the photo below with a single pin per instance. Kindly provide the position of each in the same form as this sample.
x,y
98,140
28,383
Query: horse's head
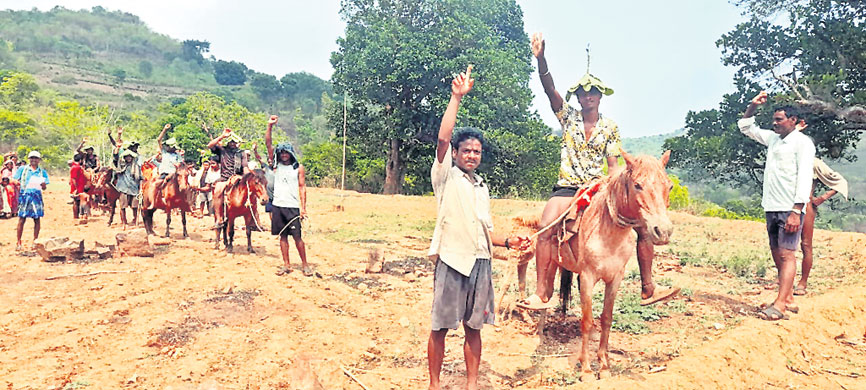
x,y
644,197
257,182
182,176
99,178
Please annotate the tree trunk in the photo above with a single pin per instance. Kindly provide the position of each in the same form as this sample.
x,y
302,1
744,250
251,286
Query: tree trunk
x,y
395,169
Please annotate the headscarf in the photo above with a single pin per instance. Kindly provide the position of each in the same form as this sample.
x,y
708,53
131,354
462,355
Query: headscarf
x,y
285,147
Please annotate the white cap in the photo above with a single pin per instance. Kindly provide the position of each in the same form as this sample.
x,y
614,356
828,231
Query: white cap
x,y
34,154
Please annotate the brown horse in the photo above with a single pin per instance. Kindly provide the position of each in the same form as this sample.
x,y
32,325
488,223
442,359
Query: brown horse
x,y
102,184
173,195
240,199
603,244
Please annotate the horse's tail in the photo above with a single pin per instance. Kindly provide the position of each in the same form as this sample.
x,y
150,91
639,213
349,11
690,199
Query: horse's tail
x,y
565,280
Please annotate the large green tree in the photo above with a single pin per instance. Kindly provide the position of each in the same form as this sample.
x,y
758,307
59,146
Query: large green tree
x,y
816,58
396,61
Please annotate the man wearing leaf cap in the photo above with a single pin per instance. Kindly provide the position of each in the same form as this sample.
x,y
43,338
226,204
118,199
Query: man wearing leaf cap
x,y
589,140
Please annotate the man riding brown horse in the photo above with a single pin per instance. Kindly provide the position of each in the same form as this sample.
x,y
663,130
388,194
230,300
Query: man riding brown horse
x,y
589,140
234,165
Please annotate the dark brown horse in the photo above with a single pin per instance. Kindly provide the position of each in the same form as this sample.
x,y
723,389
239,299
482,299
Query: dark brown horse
x,y
103,188
240,199
173,195
603,244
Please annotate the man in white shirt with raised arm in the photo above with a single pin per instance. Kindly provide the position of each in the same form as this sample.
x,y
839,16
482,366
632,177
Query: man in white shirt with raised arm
x,y
787,189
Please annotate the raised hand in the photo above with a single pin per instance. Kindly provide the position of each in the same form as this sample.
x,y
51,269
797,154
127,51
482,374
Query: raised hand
x,y
537,45
226,132
760,98
273,120
166,127
462,84
255,146
801,125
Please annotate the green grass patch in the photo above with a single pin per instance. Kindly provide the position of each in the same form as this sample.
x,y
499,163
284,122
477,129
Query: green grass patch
x,y
628,314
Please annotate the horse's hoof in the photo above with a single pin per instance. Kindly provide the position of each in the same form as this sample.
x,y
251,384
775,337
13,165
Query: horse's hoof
x,y
603,374
587,377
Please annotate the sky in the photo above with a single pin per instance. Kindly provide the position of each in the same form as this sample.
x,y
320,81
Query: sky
x,y
658,56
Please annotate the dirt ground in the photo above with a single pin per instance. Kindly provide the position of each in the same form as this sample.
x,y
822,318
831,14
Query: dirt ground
x,y
196,318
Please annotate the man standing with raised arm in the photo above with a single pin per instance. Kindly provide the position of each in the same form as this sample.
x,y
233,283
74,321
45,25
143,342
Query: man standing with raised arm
x,y
787,189
589,140
462,241
289,202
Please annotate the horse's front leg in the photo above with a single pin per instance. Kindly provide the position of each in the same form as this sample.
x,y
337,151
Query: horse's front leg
x,y
183,221
167,222
247,221
229,235
586,284
610,291
219,230
111,214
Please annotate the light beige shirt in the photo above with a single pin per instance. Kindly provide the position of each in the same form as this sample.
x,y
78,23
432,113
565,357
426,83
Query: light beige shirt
x,y
463,223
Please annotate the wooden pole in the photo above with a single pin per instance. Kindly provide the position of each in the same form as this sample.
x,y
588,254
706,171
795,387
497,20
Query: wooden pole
x,y
343,181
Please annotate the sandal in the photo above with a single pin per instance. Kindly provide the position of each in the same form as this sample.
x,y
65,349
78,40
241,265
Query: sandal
x,y
800,291
770,313
793,308
660,295
308,271
283,271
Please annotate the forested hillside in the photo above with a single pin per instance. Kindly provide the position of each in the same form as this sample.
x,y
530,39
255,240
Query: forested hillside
x,y
114,58
66,75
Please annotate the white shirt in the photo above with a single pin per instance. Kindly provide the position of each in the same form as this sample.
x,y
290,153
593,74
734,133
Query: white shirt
x,y
167,163
211,176
788,170
286,187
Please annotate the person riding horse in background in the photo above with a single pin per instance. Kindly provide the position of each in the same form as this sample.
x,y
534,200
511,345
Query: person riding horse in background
x,y
131,145
170,157
589,139
289,201
89,160
127,173
233,165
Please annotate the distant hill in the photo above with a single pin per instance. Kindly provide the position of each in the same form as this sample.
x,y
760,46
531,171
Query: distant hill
x,y
651,144
114,58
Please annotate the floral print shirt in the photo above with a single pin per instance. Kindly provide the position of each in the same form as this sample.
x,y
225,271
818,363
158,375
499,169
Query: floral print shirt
x,y
582,160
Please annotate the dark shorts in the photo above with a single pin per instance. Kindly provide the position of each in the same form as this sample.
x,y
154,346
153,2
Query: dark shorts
x,y
269,206
286,221
127,200
779,238
457,297
563,191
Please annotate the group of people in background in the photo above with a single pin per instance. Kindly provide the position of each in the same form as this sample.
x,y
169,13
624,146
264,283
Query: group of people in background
x,y
223,164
